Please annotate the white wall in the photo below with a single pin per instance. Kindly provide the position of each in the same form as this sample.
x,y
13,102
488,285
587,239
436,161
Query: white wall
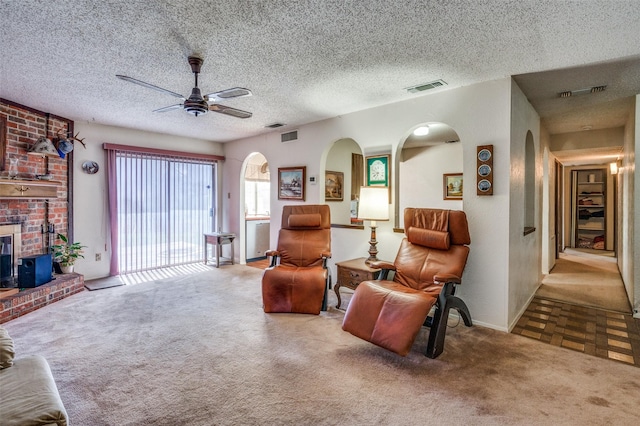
x,y
524,250
423,168
339,160
590,139
480,114
90,202
635,229
548,236
629,241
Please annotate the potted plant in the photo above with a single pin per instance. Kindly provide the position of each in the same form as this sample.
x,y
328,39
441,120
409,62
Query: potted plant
x,y
66,254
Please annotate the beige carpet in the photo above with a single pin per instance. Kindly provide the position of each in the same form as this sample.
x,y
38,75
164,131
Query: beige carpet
x,y
586,279
199,350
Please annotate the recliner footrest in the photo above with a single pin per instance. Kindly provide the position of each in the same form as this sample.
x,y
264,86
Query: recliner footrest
x,y
387,314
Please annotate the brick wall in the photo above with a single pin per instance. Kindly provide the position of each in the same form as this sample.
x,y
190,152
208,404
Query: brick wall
x,y
24,127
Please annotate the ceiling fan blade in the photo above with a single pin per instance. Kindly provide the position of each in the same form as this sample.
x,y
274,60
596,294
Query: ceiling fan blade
x,y
222,109
148,85
169,108
236,92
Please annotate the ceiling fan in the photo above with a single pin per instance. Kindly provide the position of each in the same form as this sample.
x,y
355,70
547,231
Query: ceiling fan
x,y
197,104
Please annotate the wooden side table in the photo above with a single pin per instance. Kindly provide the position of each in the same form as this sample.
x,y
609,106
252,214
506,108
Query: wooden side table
x,y
218,239
351,273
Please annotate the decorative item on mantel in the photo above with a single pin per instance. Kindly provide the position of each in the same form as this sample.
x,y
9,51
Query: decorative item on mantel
x,y
67,253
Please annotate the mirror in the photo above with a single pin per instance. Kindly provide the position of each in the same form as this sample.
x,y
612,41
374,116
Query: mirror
x,y
422,161
344,175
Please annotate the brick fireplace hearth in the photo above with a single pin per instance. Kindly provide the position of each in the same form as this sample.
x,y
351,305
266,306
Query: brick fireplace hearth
x,y
35,203
30,299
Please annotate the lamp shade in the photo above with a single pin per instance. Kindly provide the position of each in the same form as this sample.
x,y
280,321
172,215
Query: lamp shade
x,y
44,146
374,203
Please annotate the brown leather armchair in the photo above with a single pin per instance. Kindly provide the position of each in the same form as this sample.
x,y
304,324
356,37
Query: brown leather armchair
x,y
428,267
300,280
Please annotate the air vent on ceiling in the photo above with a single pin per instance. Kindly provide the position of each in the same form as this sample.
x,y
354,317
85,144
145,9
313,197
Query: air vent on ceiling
x,y
585,91
425,86
274,125
289,136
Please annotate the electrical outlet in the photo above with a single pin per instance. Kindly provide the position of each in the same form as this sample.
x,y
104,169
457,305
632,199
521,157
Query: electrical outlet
x,y
98,257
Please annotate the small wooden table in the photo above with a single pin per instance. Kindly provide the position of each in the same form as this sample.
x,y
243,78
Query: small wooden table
x,y
353,272
218,239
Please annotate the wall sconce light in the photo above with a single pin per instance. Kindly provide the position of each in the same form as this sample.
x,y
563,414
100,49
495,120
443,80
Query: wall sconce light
x,y
613,167
373,206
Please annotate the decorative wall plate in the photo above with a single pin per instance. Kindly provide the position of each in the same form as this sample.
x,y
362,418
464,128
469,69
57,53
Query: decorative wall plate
x,y
484,155
484,185
90,167
484,170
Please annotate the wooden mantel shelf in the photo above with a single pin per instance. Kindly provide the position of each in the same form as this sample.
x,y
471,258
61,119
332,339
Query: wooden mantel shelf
x,y
28,189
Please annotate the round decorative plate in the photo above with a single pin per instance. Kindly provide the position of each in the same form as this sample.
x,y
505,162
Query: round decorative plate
x,y
90,167
484,170
484,185
484,155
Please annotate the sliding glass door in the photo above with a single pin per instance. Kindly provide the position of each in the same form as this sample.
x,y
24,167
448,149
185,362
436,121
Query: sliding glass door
x,y
164,205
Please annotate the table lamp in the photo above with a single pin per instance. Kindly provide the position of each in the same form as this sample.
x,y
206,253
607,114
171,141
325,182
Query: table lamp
x,y
373,206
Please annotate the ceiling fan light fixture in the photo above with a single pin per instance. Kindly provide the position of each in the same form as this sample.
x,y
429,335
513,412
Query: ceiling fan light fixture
x,y
195,104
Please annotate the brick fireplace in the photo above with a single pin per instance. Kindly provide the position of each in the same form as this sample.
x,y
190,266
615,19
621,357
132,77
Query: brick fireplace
x,y
32,210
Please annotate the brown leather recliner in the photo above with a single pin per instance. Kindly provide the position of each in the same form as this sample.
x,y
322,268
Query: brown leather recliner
x,y
428,266
299,282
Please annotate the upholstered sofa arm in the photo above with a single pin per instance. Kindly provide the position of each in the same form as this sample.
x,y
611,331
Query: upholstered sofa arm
x,y
30,395
447,278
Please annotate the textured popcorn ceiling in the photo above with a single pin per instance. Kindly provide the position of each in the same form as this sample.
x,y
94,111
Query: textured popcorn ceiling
x,y
311,60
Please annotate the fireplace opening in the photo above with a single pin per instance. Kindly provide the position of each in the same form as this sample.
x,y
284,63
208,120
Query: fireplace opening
x,y
10,250
6,260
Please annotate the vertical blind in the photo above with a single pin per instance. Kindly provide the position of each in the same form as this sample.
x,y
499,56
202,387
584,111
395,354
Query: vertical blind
x,y
162,204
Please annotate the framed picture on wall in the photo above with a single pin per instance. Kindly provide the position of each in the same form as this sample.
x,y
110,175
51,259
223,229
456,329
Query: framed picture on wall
x,y
377,170
452,186
333,186
291,182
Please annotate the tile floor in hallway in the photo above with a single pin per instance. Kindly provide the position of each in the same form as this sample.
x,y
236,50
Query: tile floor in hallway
x,y
596,332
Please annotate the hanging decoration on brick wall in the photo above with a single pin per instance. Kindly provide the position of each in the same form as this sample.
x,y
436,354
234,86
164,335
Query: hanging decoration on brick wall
x,y
64,142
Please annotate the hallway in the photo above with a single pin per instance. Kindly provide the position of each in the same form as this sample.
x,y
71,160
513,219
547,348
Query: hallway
x,y
586,278
582,305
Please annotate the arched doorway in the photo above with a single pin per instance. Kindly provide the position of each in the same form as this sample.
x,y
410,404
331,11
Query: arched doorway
x,y
429,152
256,203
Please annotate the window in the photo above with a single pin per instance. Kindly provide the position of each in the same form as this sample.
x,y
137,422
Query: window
x,y
164,204
257,198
